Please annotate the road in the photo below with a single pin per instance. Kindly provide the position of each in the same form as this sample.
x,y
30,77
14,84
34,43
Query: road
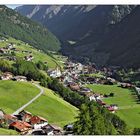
x,y
27,104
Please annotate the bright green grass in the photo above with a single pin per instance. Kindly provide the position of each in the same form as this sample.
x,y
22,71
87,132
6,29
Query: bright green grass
x,y
122,97
53,108
15,94
7,132
38,55
131,116
125,99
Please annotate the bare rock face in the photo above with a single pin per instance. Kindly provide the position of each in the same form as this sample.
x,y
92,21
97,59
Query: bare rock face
x,y
99,33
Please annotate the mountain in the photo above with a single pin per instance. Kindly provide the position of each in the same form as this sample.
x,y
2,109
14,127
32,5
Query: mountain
x,y
100,34
15,25
74,22
124,41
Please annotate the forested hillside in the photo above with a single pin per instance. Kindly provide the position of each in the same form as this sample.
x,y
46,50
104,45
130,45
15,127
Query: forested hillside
x,y
22,28
93,33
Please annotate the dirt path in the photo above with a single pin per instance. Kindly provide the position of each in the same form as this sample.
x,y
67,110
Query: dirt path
x,y
27,104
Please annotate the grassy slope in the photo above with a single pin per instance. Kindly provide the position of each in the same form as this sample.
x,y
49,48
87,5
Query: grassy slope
x,y
15,94
124,98
50,106
7,132
55,109
38,55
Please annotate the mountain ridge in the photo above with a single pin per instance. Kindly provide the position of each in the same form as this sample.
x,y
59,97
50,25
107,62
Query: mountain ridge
x,y
22,28
91,35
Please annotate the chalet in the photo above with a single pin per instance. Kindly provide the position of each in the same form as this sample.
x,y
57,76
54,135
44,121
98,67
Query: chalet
x,y
56,130
114,106
3,51
74,86
20,126
38,132
10,46
40,125
101,102
111,109
7,76
19,78
92,98
97,96
85,90
37,120
29,58
48,129
111,79
55,73
24,116
126,85
10,118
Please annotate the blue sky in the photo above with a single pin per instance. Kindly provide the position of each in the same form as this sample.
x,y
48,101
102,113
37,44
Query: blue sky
x,y
13,5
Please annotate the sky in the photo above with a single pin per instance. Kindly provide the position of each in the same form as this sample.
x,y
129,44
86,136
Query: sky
x,y
12,6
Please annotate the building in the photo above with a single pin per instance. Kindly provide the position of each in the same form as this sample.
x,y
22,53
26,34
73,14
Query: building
x,y
24,116
7,76
10,118
20,78
37,120
29,58
20,126
74,86
55,73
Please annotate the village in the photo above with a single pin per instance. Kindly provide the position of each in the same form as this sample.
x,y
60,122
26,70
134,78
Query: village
x,y
74,75
27,124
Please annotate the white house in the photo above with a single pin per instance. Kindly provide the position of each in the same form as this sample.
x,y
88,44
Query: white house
x,y
55,73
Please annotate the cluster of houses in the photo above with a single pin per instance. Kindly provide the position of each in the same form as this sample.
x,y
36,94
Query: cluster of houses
x,y
10,76
5,50
71,77
27,124
10,48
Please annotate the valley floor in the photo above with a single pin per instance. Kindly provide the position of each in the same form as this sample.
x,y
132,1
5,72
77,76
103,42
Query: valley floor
x,y
126,99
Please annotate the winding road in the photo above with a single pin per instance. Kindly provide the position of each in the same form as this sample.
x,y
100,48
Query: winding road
x,y
27,104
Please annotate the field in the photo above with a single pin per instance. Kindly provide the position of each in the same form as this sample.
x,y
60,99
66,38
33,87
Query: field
x,y
37,54
129,109
14,94
7,132
55,109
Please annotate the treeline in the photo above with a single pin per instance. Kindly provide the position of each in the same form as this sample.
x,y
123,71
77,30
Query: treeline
x,y
72,97
25,68
96,120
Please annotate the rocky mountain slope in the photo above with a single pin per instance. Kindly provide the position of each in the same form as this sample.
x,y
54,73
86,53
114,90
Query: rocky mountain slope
x,y
103,34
